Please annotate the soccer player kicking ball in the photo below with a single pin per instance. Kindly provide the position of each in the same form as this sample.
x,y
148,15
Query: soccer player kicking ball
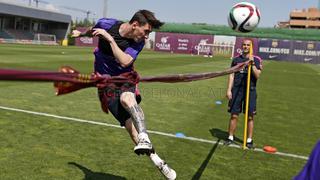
x,y
119,45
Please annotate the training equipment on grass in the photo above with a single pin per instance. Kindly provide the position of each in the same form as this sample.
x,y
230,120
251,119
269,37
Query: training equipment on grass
x,y
218,102
244,17
270,149
180,135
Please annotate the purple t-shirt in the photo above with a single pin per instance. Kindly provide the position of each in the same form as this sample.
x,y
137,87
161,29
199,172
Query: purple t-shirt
x,y
311,171
105,62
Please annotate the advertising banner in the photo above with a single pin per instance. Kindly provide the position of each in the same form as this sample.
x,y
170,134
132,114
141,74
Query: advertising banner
x,y
182,43
267,49
275,49
164,42
290,50
306,51
85,41
202,39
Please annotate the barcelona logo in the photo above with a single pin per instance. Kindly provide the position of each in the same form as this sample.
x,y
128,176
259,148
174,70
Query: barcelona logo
x,y
310,46
274,43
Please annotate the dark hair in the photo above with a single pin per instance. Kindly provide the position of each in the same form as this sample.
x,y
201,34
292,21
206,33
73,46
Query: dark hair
x,y
144,16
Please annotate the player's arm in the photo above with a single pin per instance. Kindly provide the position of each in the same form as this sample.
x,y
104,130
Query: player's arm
x,y
255,70
123,58
230,84
76,33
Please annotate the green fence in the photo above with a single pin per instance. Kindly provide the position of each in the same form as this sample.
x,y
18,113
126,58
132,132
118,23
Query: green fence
x,y
297,34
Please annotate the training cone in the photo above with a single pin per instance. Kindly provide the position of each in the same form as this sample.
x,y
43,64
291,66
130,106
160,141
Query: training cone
x,y
180,135
218,102
269,149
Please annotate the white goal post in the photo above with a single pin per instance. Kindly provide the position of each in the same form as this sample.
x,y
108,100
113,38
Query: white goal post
x,y
45,37
223,49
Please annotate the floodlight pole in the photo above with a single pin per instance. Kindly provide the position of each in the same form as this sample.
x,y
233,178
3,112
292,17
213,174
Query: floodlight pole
x,y
37,3
247,101
105,8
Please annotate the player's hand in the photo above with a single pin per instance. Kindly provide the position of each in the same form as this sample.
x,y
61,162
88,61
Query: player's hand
x,y
229,95
251,57
251,60
102,33
101,80
75,33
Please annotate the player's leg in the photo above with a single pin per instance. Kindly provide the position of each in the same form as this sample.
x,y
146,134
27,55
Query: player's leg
x,y
252,112
232,128
250,127
250,132
233,124
132,131
128,101
123,106
234,107
157,161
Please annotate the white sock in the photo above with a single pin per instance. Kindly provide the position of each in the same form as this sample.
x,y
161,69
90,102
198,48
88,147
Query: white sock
x,y
249,140
230,137
144,136
155,159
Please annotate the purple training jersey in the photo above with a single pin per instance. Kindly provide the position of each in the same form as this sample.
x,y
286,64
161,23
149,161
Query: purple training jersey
x,y
105,62
311,170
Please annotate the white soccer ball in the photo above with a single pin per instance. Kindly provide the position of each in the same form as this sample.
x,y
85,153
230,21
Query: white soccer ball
x,y
244,17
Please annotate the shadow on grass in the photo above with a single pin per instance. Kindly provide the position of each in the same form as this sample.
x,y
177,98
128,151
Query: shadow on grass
x,y
205,162
90,175
223,135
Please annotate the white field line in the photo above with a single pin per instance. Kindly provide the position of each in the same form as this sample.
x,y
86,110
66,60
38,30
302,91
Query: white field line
x,y
150,131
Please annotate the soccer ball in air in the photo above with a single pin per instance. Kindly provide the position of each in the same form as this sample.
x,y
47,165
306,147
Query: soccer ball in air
x,y
244,17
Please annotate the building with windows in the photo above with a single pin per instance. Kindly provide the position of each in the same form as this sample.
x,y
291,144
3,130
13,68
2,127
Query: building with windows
x,y
305,18
29,23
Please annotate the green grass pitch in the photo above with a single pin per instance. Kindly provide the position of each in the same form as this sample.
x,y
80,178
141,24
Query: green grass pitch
x,y
37,147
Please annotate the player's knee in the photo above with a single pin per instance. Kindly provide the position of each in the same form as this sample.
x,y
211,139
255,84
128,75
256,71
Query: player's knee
x,y
234,117
250,118
127,99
